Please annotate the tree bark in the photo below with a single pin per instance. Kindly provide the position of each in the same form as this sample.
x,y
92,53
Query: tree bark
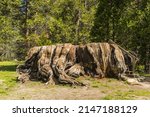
x,y
63,63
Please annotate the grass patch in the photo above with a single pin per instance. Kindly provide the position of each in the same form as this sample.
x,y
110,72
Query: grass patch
x,y
104,83
127,95
8,66
7,76
98,84
147,75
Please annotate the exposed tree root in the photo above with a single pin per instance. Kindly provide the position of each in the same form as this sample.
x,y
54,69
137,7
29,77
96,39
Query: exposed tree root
x,y
62,63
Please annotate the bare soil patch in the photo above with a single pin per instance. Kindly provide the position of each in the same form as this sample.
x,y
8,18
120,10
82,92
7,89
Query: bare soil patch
x,y
97,89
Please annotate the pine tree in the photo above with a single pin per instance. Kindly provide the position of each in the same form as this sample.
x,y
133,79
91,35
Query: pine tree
x,y
9,28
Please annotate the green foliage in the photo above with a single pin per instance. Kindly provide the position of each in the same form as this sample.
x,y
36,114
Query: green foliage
x,y
9,30
107,20
140,69
127,23
61,20
37,23
45,22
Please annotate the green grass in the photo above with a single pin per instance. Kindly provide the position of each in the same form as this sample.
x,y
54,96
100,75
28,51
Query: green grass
x,y
127,95
98,84
147,75
119,90
7,76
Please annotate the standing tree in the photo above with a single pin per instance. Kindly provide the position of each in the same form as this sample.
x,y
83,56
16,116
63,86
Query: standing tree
x,y
9,28
107,20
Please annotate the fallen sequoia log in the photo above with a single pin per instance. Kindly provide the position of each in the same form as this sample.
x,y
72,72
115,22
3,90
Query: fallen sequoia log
x,y
63,63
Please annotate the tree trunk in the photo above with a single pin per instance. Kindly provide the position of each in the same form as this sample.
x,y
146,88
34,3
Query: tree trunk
x,y
78,26
147,60
62,63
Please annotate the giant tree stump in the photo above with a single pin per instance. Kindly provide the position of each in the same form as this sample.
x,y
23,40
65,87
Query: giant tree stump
x,y
63,63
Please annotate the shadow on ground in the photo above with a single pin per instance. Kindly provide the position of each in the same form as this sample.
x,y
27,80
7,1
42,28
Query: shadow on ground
x,y
8,68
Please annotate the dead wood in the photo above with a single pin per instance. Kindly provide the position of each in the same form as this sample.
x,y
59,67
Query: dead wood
x,y
62,63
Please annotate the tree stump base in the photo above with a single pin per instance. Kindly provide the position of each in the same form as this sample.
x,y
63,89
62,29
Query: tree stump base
x,y
63,63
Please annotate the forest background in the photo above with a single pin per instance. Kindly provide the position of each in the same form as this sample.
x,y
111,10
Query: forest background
x,y
28,23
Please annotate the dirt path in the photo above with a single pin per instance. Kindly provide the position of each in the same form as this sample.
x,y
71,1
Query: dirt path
x,y
28,91
98,89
